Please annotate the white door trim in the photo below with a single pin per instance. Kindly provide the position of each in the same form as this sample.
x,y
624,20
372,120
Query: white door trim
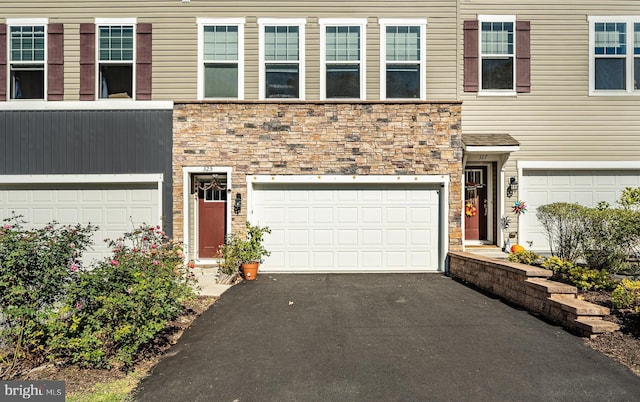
x,y
443,180
190,250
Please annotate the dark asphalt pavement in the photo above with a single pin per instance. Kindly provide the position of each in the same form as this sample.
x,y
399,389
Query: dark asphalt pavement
x,y
378,337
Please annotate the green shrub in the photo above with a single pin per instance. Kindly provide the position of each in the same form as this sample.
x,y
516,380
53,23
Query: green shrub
x,y
557,265
610,237
524,257
589,279
563,227
627,295
123,302
36,267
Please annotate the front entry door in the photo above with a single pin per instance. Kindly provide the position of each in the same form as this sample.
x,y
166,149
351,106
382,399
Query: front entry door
x,y
475,203
212,208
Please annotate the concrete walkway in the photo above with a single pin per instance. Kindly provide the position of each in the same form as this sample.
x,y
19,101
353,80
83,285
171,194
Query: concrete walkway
x,y
366,337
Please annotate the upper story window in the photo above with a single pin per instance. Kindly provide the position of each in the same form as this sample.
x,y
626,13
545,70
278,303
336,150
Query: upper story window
x,y
342,53
614,49
27,59
497,53
402,59
116,57
221,54
281,55
497,57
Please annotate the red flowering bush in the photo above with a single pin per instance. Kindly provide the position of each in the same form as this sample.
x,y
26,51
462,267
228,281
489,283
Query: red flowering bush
x,y
36,268
123,302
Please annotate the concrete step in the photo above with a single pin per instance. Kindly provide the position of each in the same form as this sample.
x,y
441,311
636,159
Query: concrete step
x,y
595,326
580,307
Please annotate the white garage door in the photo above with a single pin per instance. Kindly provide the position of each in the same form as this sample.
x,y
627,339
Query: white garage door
x,y
347,228
584,187
115,208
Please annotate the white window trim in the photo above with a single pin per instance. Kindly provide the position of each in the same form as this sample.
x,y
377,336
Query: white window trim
x,y
496,18
629,20
262,23
333,22
384,23
238,22
27,22
115,21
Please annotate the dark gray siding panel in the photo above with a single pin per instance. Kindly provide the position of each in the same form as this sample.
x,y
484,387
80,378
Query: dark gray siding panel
x,y
89,142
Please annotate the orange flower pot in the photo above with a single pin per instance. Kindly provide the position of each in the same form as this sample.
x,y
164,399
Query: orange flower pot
x,y
250,270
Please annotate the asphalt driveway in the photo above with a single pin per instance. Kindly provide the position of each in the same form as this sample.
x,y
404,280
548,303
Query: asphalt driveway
x,y
365,337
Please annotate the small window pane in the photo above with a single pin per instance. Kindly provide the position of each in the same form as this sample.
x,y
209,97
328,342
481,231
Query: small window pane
x,y
220,43
27,43
221,80
343,43
610,38
403,81
497,38
27,81
497,73
610,73
116,81
636,73
343,81
282,80
115,43
281,43
403,43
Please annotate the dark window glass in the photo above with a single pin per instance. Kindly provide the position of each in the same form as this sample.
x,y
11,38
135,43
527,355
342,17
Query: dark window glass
x,y
116,81
343,81
403,81
282,80
497,73
27,82
610,73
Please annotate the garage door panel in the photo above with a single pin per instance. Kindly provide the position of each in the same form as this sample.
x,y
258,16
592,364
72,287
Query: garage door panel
x,y
348,228
114,208
585,187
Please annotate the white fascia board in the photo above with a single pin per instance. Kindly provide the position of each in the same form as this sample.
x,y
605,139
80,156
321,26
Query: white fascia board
x,y
27,21
111,104
491,150
402,21
81,178
340,179
578,165
116,21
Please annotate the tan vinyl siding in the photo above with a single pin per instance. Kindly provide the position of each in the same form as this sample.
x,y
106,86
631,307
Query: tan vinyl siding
x,y
558,120
175,37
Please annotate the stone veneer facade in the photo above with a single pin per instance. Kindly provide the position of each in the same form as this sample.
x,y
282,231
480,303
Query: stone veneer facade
x,y
319,138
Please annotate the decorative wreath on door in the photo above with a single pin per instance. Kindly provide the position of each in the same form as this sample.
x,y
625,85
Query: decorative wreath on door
x,y
470,209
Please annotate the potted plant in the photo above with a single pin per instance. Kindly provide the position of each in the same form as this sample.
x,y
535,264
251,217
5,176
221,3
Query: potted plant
x,y
245,252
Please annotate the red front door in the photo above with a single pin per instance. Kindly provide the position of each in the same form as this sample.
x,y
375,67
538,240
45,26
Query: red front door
x,y
212,202
475,203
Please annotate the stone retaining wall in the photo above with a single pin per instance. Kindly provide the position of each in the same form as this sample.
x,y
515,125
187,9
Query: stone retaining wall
x,y
529,287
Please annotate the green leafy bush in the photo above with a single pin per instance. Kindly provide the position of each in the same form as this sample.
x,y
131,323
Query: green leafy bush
x,y
36,268
589,279
524,257
627,295
557,265
610,237
563,226
120,305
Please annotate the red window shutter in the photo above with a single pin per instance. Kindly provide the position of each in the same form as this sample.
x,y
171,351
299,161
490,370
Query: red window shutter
x,y
55,62
523,56
471,81
143,61
87,61
3,62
